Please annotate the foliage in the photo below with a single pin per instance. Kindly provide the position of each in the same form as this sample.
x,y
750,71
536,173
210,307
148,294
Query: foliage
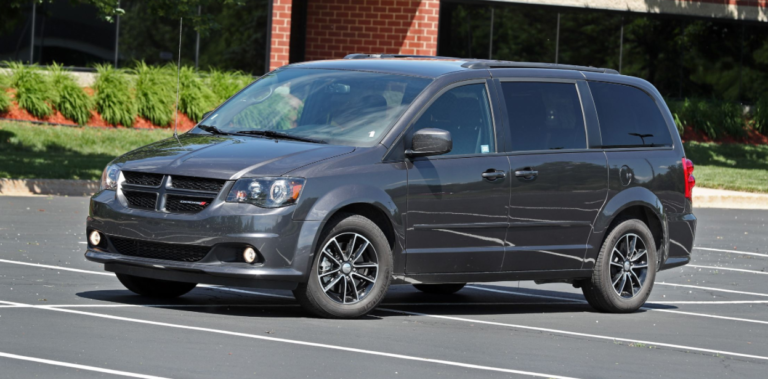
x,y
226,84
32,89
714,118
761,114
69,98
155,93
62,152
732,166
5,99
195,97
113,96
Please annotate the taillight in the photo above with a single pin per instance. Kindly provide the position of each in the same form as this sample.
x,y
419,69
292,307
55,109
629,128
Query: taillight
x,y
690,180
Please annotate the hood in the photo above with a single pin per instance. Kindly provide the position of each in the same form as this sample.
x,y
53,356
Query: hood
x,y
227,157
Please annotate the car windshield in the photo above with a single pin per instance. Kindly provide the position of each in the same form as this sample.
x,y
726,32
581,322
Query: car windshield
x,y
332,106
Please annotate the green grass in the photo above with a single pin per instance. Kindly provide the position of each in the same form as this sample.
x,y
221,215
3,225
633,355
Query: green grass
x,y
729,166
30,151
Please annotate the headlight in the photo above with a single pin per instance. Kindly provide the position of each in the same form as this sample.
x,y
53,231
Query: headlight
x,y
109,177
266,192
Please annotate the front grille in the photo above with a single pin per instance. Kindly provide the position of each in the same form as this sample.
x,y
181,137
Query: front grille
x,y
141,200
186,204
156,250
142,179
197,184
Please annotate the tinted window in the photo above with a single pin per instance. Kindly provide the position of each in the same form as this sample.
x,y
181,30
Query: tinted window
x,y
544,116
628,117
465,112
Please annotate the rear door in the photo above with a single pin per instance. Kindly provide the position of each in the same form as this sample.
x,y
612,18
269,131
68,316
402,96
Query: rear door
x,y
457,202
558,186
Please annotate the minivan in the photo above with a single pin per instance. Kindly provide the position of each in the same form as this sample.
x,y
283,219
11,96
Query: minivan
x,y
336,179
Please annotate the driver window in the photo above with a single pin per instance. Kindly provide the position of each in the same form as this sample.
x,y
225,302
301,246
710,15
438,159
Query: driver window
x,y
465,112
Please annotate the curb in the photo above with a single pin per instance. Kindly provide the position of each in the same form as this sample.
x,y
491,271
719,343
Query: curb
x,y
60,187
717,198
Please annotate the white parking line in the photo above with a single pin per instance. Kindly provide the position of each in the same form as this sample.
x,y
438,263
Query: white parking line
x,y
303,343
79,367
728,269
643,308
714,302
56,267
712,289
569,333
732,251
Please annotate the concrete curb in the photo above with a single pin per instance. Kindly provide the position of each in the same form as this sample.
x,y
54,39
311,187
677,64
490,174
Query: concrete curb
x,y
717,198
60,187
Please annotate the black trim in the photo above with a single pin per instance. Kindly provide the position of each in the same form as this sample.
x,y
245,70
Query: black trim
x,y
536,224
462,226
498,276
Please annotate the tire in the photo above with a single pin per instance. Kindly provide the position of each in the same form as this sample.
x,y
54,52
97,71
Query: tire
x,y
440,289
351,296
156,288
612,275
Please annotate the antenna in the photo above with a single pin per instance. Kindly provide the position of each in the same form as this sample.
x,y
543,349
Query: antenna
x,y
178,83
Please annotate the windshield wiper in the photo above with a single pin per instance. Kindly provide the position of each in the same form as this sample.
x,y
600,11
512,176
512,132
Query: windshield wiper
x,y
213,130
274,134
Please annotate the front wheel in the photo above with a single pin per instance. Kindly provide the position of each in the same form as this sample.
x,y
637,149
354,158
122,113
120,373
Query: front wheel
x,y
625,269
351,271
156,288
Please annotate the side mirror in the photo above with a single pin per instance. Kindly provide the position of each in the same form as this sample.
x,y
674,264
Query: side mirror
x,y
430,141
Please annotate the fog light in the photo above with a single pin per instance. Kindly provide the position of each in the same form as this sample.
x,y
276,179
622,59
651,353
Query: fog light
x,y
249,255
94,238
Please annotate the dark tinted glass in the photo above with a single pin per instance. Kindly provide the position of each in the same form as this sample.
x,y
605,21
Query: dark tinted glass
x,y
464,111
628,117
544,116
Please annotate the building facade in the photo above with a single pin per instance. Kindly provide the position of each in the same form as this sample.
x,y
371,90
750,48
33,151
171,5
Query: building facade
x,y
714,49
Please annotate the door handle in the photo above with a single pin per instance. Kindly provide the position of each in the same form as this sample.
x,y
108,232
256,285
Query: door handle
x,y
492,174
526,173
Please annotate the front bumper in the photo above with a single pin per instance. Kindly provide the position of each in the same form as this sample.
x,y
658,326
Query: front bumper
x,y
222,229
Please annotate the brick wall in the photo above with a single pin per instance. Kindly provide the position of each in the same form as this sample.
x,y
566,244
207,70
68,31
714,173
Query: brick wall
x,y
281,33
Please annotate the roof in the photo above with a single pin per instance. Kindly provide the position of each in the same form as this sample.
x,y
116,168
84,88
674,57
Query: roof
x,y
432,66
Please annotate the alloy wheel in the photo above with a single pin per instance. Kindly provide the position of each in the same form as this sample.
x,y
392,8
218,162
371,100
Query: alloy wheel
x,y
348,268
629,265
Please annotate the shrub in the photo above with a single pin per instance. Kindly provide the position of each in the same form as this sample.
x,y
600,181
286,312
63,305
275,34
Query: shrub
x,y
113,96
195,98
32,89
761,114
714,118
69,97
155,93
5,100
225,84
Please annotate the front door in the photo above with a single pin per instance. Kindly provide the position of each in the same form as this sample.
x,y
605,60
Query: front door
x,y
457,202
558,186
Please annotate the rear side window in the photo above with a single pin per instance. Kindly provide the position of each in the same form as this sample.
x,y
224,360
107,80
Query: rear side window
x,y
628,117
465,112
544,116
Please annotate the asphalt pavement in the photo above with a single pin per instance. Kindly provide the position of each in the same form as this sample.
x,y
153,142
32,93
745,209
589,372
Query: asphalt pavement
x,y
63,317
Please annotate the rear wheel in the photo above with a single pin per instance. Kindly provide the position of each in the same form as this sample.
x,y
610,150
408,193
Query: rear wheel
x,y
440,289
351,271
625,269
155,287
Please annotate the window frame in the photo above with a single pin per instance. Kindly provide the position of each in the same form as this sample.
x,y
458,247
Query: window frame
x,y
589,122
627,148
497,133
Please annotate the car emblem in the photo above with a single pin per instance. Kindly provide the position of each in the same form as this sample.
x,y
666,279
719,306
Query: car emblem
x,y
200,203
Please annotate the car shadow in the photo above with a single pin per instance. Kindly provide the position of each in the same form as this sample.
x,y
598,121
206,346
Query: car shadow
x,y
475,300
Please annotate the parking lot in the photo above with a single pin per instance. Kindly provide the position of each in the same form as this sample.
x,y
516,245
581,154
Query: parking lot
x,y
62,317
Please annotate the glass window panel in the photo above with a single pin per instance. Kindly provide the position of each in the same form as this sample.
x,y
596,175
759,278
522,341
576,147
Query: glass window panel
x,y
544,116
464,111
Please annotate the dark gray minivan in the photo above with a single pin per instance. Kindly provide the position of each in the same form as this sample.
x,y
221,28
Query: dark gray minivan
x,y
336,179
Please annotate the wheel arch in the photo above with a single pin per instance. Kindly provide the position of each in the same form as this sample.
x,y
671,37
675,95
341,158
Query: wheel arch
x,y
637,203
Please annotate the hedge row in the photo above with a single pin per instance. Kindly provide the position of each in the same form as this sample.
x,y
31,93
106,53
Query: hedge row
x,y
119,94
719,118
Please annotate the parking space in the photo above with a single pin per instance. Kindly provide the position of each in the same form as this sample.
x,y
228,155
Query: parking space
x,y
60,316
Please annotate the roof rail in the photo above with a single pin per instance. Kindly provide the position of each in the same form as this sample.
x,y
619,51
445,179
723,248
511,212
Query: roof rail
x,y
367,56
487,64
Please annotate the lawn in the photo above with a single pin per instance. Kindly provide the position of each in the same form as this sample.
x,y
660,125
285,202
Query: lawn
x,y
729,166
30,151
